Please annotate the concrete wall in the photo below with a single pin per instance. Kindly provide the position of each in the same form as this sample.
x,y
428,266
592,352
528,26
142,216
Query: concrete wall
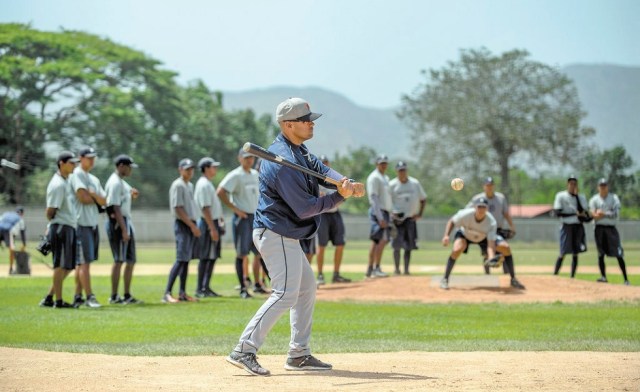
x,y
157,226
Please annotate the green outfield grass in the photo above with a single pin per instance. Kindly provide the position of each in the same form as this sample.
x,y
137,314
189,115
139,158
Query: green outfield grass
x,y
214,325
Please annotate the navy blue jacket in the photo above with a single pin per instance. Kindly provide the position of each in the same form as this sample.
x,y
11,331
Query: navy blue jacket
x,y
289,202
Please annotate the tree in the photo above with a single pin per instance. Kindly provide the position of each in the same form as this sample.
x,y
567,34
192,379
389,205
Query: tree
x,y
611,164
477,115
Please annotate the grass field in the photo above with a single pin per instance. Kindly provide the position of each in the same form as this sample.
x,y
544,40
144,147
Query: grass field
x,y
214,325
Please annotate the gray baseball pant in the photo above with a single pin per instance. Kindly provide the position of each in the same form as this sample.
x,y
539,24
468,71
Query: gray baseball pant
x,y
293,288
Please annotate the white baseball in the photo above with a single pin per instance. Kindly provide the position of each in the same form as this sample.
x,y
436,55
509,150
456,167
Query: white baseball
x,y
457,184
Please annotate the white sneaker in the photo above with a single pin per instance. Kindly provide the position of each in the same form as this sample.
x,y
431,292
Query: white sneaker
x,y
320,279
92,302
444,284
379,274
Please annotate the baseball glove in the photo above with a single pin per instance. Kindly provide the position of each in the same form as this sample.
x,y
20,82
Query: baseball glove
x,y
495,261
506,233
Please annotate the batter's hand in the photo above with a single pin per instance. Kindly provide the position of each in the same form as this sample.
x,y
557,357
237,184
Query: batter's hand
x,y
358,189
346,190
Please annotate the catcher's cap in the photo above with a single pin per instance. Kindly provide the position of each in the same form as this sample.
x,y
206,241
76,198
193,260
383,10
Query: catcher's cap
x,y
572,178
295,109
603,181
481,201
206,162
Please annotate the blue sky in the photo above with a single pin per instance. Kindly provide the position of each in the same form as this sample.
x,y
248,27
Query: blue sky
x,y
370,51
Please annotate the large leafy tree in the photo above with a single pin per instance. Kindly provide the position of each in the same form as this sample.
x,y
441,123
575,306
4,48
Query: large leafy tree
x,y
614,164
478,115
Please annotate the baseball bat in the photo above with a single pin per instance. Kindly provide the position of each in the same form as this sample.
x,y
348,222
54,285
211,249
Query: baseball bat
x,y
9,164
260,152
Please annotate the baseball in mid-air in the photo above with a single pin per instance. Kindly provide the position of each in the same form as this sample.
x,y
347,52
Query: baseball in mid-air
x,y
457,184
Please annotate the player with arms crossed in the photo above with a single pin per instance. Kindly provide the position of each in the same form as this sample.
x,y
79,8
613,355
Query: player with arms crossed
x,y
289,210
477,226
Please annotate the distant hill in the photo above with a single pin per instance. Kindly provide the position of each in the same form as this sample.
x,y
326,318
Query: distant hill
x,y
343,124
609,94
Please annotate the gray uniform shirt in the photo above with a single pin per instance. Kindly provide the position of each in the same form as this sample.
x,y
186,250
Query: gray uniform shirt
x,y
610,205
378,184
87,213
567,203
118,193
206,196
242,188
181,195
473,230
406,197
498,207
61,196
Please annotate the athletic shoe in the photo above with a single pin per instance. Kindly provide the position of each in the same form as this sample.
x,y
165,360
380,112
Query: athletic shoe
x,y
626,283
46,302
444,284
92,302
340,279
406,273
320,280
369,273
115,300
397,272
487,269
211,294
131,300
244,294
307,362
77,301
187,298
200,294
257,288
379,274
168,299
63,305
602,279
516,284
248,362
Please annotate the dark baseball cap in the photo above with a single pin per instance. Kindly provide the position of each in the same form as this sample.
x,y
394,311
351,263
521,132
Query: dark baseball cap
x,y
572,177
66,156
19,209
488,180
401,165
382,159
123,159
186,163
481,201
88,152
206,162
603,181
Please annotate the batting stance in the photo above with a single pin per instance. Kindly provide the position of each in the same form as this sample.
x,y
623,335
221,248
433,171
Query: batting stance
x,y
605,208
289,210
477,226
571,208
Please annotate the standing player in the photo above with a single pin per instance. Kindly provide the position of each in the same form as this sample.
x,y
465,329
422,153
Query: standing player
x,y
408,199
89,195
499,209
238,190
119,228
61,213
331,229
12,225
288,211
605,207
571,208
185,213
477,226
211,214
380,207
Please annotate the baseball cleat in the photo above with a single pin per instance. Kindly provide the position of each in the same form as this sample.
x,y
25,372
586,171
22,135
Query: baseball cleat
x,y
444,284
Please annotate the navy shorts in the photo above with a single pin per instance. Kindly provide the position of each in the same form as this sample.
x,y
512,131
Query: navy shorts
x,y
64,246
377,233
243,235
123,252
331,229
88,243
308,246
572,239
407,234
186,242
482,244
207,249
608,241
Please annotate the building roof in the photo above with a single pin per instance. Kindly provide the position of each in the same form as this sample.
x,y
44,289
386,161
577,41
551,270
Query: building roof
x,y
530,210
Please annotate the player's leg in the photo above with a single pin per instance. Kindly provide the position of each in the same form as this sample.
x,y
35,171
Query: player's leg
x,y
460,245
565,247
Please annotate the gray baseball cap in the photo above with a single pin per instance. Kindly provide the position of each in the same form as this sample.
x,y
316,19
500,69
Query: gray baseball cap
x,y
88,152
186,163
294,109
66,156
382,159
401,165
481,201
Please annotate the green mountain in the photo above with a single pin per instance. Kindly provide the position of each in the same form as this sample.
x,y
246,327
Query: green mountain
x,y
610,96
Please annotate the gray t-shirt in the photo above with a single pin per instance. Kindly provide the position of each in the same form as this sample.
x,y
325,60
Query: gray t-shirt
x,y
61,196
181,195
87,213
118,193
242,188
378,184
206,196
474,230
406,197
498,207
610,205
567,204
